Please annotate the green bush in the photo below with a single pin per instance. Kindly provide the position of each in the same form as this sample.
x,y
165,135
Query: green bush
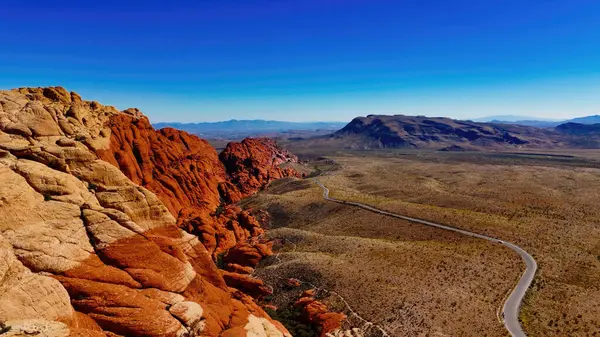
x,y
220,261
219,209
4,328
291,318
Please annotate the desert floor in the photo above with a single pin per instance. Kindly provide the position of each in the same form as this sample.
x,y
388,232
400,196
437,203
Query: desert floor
x,y
412,280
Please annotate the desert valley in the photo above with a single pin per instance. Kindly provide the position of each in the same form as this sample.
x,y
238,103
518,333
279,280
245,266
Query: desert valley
x,y
314,168
113,228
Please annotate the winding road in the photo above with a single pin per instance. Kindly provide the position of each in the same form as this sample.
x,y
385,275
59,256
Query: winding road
x,y
510,310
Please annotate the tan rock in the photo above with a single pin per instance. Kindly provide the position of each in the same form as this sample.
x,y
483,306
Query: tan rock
x,y
25,295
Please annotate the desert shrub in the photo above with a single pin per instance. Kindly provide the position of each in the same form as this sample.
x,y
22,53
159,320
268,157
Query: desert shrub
x,y
47,197
219,209
220,262
291,318
4,328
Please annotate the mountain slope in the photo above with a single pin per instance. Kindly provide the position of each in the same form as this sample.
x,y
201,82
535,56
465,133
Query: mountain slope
x,y
399,131
579,129
87,251
585,120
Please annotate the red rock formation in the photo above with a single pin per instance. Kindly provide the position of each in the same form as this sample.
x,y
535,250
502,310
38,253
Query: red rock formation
x,y
87,248
183,170
317,313
254,162
187,176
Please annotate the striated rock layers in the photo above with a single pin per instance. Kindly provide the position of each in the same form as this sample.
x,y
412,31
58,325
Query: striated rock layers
x,y
198,187
97,210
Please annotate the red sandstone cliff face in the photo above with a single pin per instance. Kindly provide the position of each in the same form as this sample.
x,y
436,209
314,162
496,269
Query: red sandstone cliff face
x,y
93,205
183,170
254,162
198,187
187,176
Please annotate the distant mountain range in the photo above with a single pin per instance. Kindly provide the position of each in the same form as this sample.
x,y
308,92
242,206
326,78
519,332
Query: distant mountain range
x,y
244,128
399,131
537,122
512,118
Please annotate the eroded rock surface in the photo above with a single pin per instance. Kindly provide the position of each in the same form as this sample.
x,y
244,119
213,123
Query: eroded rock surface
x,y
93,202
198,187
317,313
254,162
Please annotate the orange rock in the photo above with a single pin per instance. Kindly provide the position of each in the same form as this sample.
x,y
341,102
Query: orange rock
x,y
309,293
182,169
294,283
254,162
317,313
246,254
236,268
250,285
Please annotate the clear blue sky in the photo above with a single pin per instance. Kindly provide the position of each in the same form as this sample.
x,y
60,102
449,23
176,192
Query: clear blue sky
x,y
311,59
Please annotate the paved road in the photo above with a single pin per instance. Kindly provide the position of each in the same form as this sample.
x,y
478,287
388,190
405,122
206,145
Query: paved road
x,y
510,310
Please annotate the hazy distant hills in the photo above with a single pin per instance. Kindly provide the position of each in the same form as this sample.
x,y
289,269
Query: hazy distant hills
x,y
512,119
243,128
585,120
537,122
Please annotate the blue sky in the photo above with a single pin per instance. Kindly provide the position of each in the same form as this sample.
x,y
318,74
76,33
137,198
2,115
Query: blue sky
x,y
311,59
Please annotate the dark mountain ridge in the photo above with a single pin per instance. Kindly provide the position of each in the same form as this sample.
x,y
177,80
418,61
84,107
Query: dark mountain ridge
x,y
579,129
400,131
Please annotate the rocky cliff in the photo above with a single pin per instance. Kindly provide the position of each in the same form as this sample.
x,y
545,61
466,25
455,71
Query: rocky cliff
x,y
110,227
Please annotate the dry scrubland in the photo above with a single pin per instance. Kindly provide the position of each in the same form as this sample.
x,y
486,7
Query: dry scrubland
x,y
409,279
547,205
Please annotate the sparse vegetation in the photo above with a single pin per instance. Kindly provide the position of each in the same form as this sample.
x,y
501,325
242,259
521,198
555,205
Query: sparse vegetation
x,y
291,318
4,328
219,209
220,260
412,279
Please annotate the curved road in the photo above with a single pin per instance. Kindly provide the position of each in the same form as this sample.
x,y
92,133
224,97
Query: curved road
x,y
510,310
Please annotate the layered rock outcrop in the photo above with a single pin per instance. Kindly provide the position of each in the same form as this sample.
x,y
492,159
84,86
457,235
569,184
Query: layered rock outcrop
x,y
254,162
317,313
93,202
198,187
